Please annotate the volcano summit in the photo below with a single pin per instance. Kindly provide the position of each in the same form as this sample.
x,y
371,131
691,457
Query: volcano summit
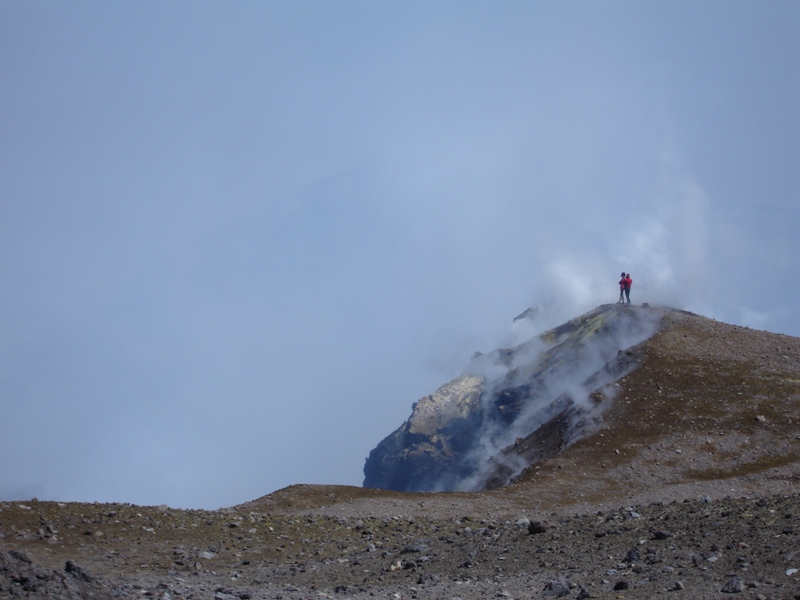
x,y
625,381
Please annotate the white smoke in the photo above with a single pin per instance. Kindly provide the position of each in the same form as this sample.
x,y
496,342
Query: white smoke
x,y
566,383
667,250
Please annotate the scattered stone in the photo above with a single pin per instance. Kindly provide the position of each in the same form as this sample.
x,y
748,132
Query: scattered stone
x,y
661,535
583,594
558,587
78,572
427,578
734,585
633,556
414,548
622,584
207,555
536,527
678,586
20,556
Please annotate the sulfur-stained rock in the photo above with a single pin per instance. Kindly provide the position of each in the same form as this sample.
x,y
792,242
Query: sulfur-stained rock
x,y
513,407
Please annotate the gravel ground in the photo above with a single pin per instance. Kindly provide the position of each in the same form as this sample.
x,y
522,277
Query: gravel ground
x,y
692,549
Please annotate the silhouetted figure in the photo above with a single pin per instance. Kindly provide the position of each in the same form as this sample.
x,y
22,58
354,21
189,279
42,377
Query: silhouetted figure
x,y
628,283
621,289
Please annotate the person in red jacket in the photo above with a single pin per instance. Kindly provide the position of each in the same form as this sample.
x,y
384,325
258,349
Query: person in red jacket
x,y
621,289
628,283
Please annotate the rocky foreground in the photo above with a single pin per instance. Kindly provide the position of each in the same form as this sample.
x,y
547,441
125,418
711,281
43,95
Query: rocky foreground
x,y
689,487
698,548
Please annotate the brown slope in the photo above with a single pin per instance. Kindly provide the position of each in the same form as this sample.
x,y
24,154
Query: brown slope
x,y
714,410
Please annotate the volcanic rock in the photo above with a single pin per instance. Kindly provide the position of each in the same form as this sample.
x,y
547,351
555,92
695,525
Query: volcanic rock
x,y
513,407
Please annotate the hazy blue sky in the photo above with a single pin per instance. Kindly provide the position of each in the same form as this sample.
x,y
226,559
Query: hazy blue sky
x,y
239,239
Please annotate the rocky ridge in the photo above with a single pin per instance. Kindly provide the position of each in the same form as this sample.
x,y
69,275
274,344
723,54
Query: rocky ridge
x,y
513,407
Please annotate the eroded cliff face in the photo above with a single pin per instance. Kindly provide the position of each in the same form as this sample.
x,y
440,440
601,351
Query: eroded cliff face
x,y
431,442
513,407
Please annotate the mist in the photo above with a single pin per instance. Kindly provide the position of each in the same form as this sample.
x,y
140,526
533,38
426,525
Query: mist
x,y
549,375
237,242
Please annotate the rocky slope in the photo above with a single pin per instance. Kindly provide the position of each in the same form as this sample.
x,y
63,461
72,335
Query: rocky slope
x,y
513,407
688,486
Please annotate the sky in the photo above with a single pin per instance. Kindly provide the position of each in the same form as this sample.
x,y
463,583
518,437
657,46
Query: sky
x,y
238,240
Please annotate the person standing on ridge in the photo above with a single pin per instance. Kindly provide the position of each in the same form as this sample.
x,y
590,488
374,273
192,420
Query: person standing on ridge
x,y
628,283
621,289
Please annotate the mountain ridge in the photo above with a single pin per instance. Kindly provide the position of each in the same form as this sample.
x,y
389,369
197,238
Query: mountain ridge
x,y
461,436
